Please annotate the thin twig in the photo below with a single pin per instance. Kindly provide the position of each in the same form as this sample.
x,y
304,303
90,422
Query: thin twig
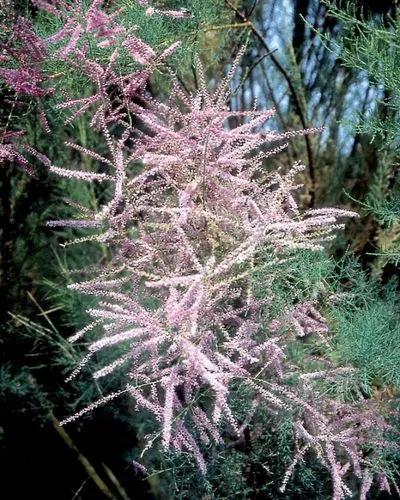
x,y
250,70
77,492
227,26
252,8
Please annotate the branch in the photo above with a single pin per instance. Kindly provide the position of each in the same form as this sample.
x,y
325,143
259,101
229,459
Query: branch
x,y
116,483
91,471
296,99
227,26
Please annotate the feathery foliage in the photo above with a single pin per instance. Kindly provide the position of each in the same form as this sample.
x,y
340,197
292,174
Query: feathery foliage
x,y
200,294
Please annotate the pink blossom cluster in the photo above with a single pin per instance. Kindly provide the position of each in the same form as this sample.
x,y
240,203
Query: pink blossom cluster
x,y
23,54
187,231
27,51
21,58
78,20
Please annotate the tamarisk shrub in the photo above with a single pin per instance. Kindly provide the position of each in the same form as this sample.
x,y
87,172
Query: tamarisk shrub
x,y
192,205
